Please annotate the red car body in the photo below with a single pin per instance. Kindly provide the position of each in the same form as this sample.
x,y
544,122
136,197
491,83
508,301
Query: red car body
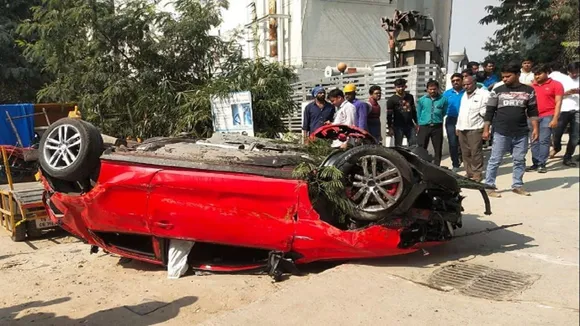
x,y
149,204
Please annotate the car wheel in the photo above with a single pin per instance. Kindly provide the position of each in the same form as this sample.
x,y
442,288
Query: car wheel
x,y
376,179
70,149
32,230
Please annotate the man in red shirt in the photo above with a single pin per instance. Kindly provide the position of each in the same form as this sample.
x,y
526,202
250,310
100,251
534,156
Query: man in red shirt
x,y
549,94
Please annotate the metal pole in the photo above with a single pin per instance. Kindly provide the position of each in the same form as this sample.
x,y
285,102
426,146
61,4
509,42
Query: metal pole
x,y
7,168
46,116
14,129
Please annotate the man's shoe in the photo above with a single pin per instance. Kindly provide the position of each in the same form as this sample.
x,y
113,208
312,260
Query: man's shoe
x,y
521,191
569,163
542,169
455,170
532,168
493,193
476,179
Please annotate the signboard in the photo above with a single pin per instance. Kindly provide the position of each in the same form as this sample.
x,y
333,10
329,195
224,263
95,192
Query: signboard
x,y
233,114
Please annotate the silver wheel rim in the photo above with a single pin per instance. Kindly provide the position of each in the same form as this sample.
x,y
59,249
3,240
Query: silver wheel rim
x,y
372,191
62,147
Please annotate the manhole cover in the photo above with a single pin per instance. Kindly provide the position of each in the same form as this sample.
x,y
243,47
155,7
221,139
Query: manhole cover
x,y
481,281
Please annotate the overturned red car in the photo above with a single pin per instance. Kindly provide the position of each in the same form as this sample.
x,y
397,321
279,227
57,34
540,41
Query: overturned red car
x,y
239,200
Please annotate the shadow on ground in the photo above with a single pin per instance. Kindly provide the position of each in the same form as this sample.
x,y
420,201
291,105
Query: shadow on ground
x,y
461,248
146,313
55,236
551,183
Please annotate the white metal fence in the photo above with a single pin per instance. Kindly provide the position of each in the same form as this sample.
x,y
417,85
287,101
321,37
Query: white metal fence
x,y
417,77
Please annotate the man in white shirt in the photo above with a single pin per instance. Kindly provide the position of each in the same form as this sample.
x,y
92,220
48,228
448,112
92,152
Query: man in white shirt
x,y
526,74
569,113
469,127
345,113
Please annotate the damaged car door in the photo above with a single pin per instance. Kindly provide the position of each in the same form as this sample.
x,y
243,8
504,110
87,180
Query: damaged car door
x,y
223,208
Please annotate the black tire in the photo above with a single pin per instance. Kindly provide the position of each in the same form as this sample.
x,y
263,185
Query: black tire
x,y
348,164
88,151
32,230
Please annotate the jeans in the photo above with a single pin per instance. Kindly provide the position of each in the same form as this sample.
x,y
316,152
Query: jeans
x,y
435,134
453,141
572,119
541,147
408,132
374,126
501,145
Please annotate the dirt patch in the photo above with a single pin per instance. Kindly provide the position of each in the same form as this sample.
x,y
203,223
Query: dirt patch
x,y
61,283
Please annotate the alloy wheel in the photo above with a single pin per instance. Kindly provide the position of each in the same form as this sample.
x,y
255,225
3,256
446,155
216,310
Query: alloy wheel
x,y
62,147
377,184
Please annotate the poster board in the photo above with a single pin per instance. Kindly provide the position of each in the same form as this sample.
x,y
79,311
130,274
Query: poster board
x,y
233,114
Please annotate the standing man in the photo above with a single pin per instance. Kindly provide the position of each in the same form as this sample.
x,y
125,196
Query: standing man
x,y
345,114
431,109
508,108
549,95
470,127
374,118
526,74
362,108
453,95
402,114
490,77
474,66
317,113
569,116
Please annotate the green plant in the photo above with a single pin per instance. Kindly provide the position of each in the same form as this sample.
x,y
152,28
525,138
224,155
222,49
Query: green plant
x,y
326,182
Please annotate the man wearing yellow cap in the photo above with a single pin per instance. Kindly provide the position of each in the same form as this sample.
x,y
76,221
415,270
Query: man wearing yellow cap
x,y
362,108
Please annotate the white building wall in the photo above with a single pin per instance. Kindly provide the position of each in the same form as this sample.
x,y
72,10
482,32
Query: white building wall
x,y
345,30
321,33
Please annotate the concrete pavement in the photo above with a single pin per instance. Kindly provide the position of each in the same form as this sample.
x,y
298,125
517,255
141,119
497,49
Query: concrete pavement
x,y
393,291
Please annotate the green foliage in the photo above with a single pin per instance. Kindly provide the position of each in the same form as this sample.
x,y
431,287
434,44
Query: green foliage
x,y
530,28
19,79
269,83
325,183
136,69
319,149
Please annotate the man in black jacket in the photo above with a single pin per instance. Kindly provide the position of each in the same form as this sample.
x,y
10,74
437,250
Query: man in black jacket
x,y
402,114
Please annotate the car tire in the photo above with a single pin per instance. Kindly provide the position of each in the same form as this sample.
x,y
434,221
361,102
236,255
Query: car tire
x,y
70,149
374,192
32,231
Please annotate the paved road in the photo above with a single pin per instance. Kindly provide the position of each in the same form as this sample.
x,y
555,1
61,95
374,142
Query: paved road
x,y
392,290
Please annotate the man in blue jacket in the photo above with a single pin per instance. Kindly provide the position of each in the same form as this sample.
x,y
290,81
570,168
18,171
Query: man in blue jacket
x,y
431,109
362,108
453,95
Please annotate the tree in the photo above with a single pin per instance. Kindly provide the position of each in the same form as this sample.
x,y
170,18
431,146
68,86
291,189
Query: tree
x,y
533,28
136,69
19,79
269,83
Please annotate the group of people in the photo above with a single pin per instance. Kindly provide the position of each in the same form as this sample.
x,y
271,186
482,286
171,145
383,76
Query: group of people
x,y
527,105
530,106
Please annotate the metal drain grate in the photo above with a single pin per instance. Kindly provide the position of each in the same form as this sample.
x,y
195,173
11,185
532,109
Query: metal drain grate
x,y
481,281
